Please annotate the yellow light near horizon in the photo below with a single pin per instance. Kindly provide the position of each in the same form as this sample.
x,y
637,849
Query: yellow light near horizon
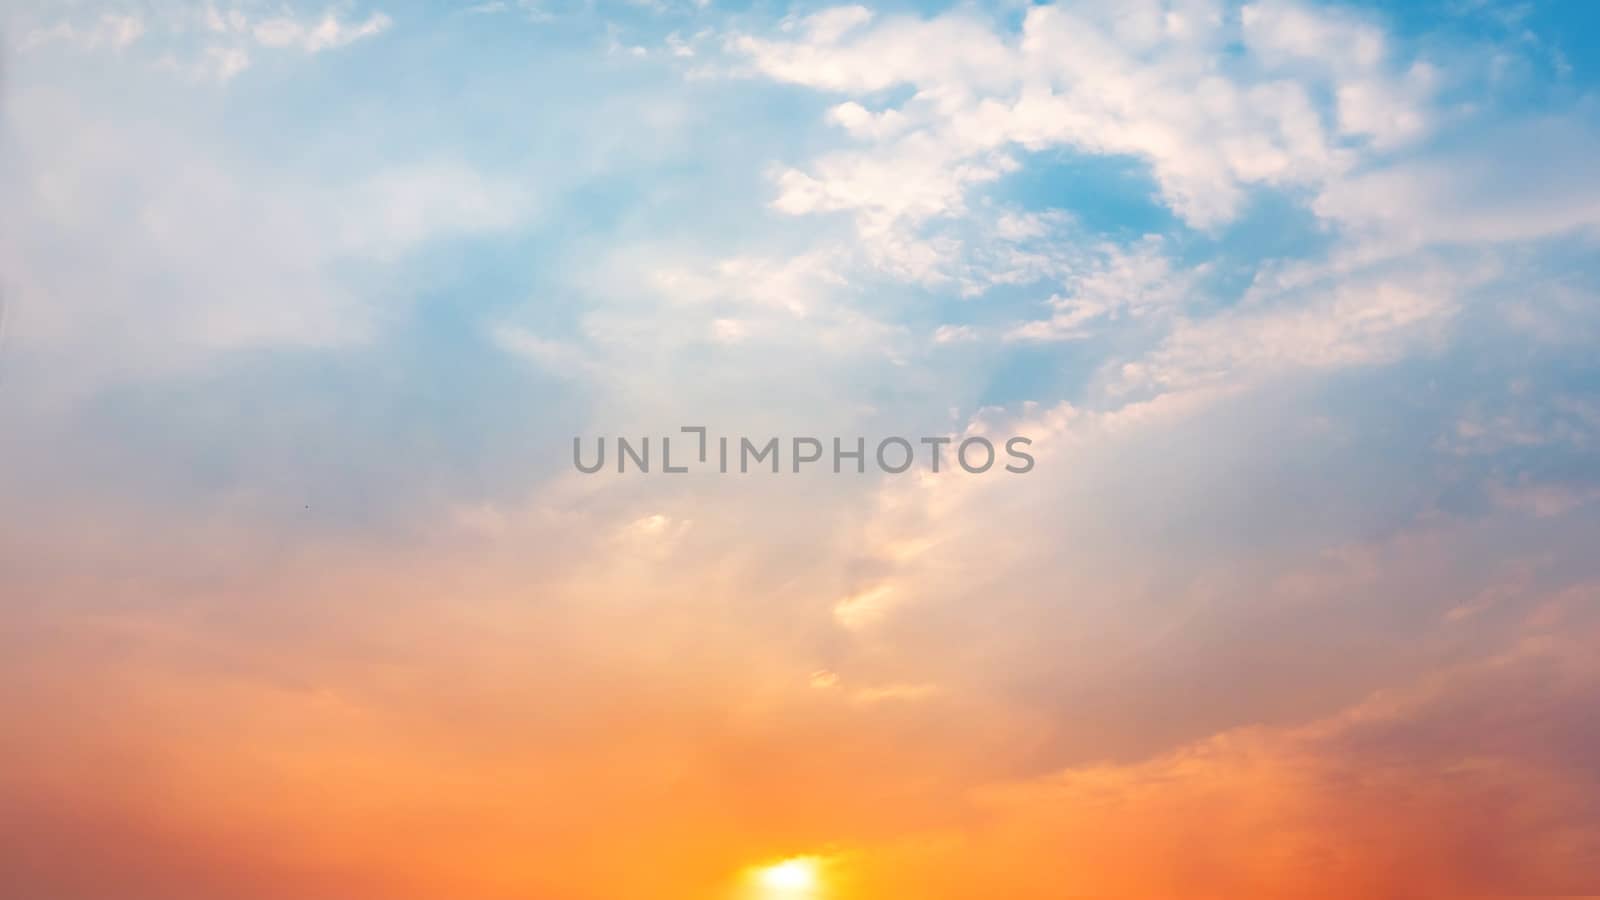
x,y
792,878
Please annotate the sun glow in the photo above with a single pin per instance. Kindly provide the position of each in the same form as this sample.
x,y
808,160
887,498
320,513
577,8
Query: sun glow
x,y
791,879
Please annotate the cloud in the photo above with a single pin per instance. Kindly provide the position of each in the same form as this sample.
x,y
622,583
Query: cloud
x,y
398,207
1134,281
954,334
1525,180
200,249
1447,787
1156,81
1366,322
1283,32
202,40
326,33
834,51
111,30
563,360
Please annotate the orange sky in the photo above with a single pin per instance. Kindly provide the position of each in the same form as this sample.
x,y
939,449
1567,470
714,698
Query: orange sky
x,y
397,727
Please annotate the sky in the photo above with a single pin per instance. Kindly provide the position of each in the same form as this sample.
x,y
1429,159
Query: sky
x,y
302,306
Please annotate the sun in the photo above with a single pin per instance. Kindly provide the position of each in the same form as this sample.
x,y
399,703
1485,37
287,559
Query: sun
x,y
799,878
791,875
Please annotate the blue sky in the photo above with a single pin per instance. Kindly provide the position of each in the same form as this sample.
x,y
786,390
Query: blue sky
x,y
394,257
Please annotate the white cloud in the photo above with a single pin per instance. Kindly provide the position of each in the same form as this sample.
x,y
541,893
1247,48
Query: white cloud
x,y
954,334
863,123
920,180
1282,33
198,250
1154,80
398,207
565,360
115,31
1134,281
1527,180
1389,111
832,24
313,37
200,40
1362,322
1543,499
865,608
835,50
222,63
